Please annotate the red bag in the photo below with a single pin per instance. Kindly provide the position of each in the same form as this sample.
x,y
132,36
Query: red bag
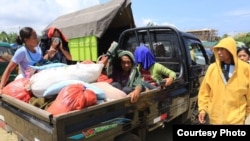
x,y
18,89
72,97
90,98
104,78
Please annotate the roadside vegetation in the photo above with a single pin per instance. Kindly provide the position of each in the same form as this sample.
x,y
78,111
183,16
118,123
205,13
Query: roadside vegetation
x,y
241,37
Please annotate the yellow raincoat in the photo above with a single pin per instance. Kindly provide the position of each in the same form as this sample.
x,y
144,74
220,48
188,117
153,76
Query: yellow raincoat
x,y
226,102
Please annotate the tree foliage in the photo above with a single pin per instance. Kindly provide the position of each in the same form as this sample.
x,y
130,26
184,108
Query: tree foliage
x,y
245,38
8,37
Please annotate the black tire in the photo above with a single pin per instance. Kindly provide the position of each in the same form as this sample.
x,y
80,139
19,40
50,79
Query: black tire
x,y
127,137
194,118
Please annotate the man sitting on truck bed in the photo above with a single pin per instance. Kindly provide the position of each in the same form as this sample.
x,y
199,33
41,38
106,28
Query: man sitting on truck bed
x,y
126,75
151,70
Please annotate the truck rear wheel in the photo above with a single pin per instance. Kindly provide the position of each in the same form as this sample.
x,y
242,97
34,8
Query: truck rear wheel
x,y
194,117
127,137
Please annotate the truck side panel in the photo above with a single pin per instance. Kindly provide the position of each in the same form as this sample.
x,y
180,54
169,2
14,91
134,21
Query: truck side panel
x,y
25,126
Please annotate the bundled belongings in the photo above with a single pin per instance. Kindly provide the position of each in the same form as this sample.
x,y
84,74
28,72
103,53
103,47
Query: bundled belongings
x,y
56,88
18,89
42,80
72,97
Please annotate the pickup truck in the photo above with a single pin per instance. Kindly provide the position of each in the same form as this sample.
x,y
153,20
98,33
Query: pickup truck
x,y
121,120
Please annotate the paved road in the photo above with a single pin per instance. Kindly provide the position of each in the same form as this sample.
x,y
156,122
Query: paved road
x,y
4,136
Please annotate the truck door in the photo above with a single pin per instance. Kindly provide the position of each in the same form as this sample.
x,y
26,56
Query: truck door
x,y
197,70
198,62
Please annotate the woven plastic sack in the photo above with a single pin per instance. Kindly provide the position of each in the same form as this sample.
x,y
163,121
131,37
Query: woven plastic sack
x,y
18,89
72,97
42,80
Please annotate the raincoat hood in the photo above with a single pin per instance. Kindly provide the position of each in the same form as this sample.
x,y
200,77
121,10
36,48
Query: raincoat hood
x,y
226,101
144,57
229,44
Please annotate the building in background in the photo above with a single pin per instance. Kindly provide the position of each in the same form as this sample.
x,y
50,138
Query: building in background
x,y
210,35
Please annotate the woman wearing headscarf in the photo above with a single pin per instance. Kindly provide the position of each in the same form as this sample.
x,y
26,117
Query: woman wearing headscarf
x,y
126,75
55,47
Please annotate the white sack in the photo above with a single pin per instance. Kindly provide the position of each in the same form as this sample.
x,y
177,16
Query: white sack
x,y
40,81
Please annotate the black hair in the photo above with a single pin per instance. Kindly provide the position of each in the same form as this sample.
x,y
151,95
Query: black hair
x,y
19,40
194,45
24,33
243,49
57,30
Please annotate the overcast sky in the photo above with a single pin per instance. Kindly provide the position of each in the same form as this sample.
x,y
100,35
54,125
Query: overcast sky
x,y
225,16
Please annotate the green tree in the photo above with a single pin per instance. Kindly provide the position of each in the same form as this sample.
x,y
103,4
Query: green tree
x,y
12,37
8,37
225,35
4,36
245,38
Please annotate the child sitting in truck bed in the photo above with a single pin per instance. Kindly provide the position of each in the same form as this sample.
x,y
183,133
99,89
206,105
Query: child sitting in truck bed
x,y
152,71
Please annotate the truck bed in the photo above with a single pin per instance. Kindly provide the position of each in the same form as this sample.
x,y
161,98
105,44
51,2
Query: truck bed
x,y
98,122
119,116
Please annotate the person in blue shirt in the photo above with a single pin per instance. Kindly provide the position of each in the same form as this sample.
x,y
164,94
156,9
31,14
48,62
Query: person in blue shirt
x,y
28,54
